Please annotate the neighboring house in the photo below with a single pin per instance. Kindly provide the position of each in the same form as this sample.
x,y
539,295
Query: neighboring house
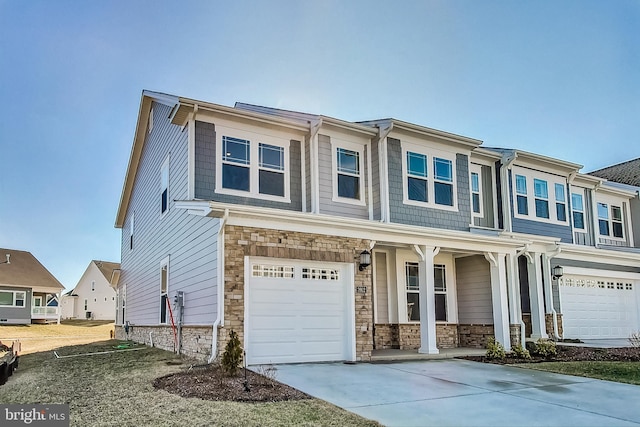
x,y
28,291
93,297
318,239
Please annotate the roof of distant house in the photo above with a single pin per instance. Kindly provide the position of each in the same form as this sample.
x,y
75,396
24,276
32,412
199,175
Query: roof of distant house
x,y
26,271
106,268
625,173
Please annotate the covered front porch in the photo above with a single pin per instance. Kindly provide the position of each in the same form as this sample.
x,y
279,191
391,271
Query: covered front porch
x,y
45,306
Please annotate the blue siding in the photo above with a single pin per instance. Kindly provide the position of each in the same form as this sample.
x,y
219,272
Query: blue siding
x,y
190,241
421,216
205,173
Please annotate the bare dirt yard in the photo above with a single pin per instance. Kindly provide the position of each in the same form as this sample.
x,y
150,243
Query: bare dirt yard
x,y
34,338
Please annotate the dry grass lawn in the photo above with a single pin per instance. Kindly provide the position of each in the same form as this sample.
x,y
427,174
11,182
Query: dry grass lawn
x,y
116,389
35,338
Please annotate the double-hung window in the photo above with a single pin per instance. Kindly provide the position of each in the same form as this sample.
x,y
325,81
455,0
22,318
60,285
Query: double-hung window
x,y
413,292
417,184
603,219
577,209
252,165
443,181
616,222
348,171
561,203
541,194
476,191
521,195
610,221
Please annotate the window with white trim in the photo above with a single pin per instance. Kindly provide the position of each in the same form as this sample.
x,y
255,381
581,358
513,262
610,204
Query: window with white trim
x,y
610,220
532,199
577,210
428,177
616,222
348,173
164,186
477,209
320,273
12,298
561,202
276,271
252,165
412,284
164,290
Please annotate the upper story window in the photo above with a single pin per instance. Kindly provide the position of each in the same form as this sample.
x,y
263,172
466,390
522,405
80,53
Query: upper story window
x,y
561,203
577,209
534,192
610,220
252,165
164,186
476,191
429,178
348,170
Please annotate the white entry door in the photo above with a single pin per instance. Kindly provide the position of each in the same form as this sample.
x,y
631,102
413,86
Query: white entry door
x,y
598,308
298,311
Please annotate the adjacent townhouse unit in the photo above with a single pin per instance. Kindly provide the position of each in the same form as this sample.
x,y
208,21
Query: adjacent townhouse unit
x,y
319,239
29,293
93,297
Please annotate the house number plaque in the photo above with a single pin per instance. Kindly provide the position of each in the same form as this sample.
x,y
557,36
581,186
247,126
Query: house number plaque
x,y
361,289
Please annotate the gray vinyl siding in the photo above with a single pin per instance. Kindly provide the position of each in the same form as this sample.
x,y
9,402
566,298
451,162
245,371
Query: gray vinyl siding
x,y
422,216
205,173
635,220
325,172
190,241
382,291
585,238
16,315
538,228
473,282
375,181
487,199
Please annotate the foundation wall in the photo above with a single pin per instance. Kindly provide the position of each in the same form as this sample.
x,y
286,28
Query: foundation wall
x,y
196,340
475,336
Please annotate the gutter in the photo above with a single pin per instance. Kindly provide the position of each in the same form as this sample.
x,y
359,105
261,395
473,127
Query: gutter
x,y
220,288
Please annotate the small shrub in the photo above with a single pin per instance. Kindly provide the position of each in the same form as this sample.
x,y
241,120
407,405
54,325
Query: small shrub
x,y
269,372
495,350
520,353
544,348
634,339
232,356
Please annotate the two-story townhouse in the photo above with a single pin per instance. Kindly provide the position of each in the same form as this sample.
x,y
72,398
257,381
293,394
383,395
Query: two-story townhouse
x,y
319,239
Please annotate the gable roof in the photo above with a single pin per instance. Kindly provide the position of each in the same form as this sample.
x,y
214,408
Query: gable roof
x,y
625,173
26,271
106,268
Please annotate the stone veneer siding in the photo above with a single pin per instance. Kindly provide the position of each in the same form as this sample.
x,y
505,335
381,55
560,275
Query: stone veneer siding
x,y
548,320
196,340
475,336
249,241
407,336
515,335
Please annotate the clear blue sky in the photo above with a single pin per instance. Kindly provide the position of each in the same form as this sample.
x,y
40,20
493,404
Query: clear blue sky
x,y
559,78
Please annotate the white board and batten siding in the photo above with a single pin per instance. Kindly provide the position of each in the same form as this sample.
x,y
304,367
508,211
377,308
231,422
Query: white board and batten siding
x,y
298,311
599,307
189,241
474,290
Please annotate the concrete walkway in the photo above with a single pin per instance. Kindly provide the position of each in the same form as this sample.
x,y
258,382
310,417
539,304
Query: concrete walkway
x,y
463,393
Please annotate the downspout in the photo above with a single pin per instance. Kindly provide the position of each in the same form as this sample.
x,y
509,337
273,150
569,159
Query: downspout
x,y
554,314
505,163
220,317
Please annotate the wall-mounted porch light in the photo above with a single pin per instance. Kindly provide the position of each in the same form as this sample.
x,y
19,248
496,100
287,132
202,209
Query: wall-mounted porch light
x,y
365,260
557,272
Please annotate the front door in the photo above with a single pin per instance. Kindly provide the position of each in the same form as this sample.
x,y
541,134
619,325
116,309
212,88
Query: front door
x,y
37,301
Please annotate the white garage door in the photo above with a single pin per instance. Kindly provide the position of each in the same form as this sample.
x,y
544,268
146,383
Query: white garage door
x,y
598,308
298,312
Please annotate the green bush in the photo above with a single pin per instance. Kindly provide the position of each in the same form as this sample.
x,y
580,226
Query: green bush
x,y
634,339
232,356
544,348
520,352
495,350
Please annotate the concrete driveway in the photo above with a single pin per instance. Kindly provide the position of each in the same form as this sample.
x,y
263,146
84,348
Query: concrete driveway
x,y
463,393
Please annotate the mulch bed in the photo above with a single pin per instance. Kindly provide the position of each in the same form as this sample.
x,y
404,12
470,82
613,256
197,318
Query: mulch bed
x,y
210,383
571,354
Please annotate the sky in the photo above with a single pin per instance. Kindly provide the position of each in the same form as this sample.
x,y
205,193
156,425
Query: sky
x,y
557,78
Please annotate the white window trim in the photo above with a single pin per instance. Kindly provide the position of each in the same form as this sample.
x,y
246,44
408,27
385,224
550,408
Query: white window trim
x,y
610,202
164,264
474,168
551,180
431,154
580,192
337,143
254,164
13,304
165,170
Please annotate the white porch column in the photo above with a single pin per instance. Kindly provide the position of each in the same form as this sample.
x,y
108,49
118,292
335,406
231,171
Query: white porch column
x,y
427,299
536,300
513,286
499,298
